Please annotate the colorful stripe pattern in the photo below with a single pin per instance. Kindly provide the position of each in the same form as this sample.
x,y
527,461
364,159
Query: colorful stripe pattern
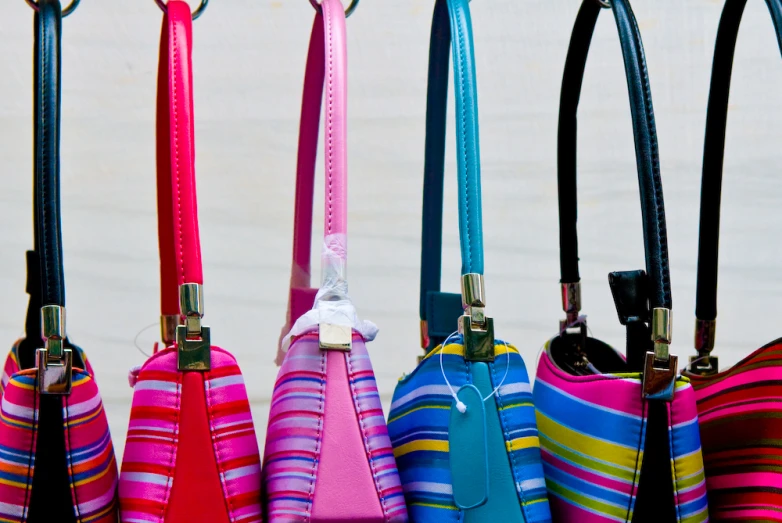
x,y
592,434
418,424
92,467
740,412
294,436
153,438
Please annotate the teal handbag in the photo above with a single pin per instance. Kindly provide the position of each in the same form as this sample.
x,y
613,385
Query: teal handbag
x,y
462,424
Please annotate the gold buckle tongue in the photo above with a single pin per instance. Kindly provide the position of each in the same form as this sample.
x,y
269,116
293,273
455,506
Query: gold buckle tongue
x,y
704,364
192,338
474,325
54,361
660,367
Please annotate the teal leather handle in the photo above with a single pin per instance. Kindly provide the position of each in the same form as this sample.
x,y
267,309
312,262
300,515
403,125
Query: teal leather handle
x,y
451,24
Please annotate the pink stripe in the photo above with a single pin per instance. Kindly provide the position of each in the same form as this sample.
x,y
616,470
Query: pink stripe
x,y
747,479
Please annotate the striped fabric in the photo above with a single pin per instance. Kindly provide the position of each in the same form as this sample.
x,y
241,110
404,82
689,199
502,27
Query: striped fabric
x,y
418,425
92,467
12,364
293,439
591,431
153,437
740,413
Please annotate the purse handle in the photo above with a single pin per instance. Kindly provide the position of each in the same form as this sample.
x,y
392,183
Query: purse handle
x,y
711,184
55,360
181,274
659,366
326,68
452,23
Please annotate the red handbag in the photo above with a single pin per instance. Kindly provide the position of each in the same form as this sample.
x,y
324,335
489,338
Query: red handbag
x,y
191,453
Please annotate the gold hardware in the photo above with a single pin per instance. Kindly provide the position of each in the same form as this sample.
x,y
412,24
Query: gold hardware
x,y
335,337
424,334
571,301
474,325
662,333
659,378
705,365
168,325
55,375
705,331
192,338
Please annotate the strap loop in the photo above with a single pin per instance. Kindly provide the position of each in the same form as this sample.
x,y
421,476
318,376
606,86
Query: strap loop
x,y
196,14
348,10
65,12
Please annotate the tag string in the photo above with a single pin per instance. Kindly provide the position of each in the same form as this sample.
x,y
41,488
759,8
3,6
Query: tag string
x,y
460,406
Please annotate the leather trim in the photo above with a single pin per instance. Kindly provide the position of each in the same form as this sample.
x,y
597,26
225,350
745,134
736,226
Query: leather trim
x,y
451,23
714,150
47,74
180,246
644,132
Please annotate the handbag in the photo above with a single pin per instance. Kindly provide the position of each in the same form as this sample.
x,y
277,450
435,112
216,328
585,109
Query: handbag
x,y
618,433
191,453
57,458
462,423
740,408
328,457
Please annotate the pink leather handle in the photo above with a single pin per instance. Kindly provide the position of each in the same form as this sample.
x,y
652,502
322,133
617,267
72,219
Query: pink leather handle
x,y
326,63
180,246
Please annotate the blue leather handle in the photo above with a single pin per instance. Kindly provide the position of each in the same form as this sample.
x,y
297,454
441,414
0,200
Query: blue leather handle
x,y
451,23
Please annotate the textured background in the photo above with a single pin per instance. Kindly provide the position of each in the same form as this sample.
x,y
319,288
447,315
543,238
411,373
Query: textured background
x,y
249,62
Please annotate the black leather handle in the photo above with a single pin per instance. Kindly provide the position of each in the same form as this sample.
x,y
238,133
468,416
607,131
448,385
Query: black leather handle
x,y
48,235
714,150
644,131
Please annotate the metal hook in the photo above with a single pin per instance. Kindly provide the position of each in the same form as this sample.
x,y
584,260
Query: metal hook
x,y
198,12
606,4
65,12
348,11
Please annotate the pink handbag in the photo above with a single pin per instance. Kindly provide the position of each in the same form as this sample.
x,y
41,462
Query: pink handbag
x,y
191,453
328,456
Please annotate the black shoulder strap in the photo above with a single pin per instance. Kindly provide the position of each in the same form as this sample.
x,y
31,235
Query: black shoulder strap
x,y
713,156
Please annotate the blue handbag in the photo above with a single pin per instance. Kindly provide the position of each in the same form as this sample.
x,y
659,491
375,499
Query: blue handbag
x,y
462,423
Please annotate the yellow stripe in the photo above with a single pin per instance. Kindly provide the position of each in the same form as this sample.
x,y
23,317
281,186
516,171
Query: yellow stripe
x,y
587,445
13,483
528,442
423,444
432,505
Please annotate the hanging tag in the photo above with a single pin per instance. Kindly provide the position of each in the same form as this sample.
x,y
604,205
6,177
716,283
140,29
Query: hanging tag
x,y
468,453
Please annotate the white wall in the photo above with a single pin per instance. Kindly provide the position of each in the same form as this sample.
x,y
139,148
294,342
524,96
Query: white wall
x,y
249,62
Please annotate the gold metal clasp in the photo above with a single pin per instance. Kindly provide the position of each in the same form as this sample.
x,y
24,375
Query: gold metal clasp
x,y
192,338
571,301
660,367
168,325
54,361
474,325
704,363
335,337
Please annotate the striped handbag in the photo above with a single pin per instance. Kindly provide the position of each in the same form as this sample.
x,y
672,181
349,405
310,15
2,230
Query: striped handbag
x,y
191,453
328,457
56,457
462,423
618,433
740,408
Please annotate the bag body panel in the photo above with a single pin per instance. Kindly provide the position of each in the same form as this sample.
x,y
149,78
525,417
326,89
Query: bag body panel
x,y
150,460
740,425
296,448
419,422
593,435
91,468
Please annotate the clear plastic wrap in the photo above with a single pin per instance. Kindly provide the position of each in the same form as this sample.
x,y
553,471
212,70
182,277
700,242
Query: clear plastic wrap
x,y
332,303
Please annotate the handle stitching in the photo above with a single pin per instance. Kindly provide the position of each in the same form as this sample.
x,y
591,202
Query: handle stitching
x,y
463,128
44,146
330,120
656,177
175,121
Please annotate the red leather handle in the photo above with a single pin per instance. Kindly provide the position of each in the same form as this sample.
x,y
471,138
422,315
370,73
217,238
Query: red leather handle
x,y
180,246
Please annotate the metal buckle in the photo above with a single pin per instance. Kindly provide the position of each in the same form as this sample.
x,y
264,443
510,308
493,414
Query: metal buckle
x,y
54,361
474,325
571,301
704,364
168,325
660,367
193,339
335,337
